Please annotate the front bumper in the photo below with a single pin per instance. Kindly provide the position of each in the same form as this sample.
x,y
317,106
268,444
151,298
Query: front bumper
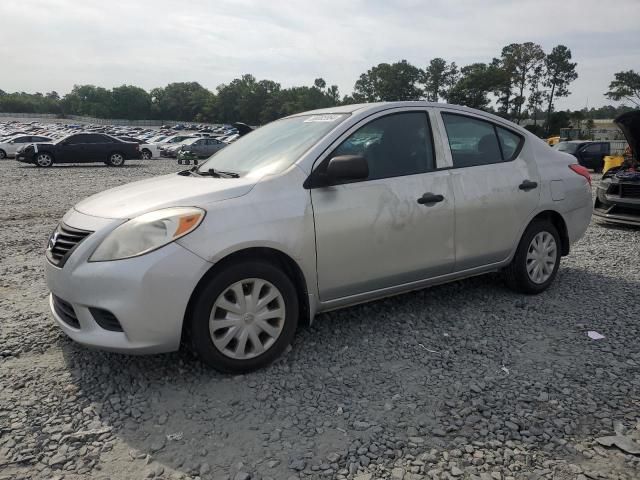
x,y
24,157
616,209
148,295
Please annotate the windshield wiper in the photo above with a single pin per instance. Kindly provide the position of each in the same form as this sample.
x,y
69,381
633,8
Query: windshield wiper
x,y
189,171
212,172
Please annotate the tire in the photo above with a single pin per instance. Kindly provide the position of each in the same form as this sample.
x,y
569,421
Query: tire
x,y
3,154
145,154
211,324
115,159
521,274
44,159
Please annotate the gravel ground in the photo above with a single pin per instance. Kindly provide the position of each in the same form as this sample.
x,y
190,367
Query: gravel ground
x,y
466,380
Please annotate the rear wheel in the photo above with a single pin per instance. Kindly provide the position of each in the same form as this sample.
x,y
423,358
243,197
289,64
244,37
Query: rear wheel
x,y
146,154
115,159
44,159
536,262
244,317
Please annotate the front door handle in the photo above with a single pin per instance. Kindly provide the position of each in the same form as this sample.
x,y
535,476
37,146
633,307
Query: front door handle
x,y
430,198
528,185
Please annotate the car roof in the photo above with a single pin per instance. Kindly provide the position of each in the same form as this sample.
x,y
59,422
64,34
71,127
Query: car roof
x,y
370,108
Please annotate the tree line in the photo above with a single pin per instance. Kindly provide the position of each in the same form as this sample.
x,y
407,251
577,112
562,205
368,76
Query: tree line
x,y
523,82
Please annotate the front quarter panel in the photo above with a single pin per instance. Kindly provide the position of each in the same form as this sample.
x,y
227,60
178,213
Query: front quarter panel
x,y
276,214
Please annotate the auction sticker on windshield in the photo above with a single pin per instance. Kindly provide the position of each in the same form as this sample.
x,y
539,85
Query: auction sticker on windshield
x,y
322,118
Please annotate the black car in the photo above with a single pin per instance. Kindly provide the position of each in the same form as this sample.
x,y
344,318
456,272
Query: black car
x,y
80,148
589,154
618,194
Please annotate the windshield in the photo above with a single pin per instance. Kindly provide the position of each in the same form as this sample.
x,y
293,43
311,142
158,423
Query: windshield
x,y
566,147
274,147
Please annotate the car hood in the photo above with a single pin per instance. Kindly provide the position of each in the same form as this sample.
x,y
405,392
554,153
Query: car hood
x,y
629,123
166,191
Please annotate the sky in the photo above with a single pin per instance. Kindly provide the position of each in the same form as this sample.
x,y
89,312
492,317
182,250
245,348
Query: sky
x,y
53,44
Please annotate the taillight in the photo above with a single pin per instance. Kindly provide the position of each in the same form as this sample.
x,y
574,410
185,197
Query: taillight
x,y
580,170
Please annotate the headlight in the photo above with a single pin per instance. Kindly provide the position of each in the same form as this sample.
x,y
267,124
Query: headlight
x,y
148,232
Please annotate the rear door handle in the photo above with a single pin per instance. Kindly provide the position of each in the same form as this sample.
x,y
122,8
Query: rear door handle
x,y
430,198
528,185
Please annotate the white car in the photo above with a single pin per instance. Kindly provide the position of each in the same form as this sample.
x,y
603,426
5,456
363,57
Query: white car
x,y
147,150
9,147
313,212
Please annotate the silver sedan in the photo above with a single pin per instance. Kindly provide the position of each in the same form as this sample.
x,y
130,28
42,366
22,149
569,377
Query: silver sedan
x,y
313,212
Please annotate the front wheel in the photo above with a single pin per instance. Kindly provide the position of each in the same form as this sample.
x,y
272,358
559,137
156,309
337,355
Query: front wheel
x,y
536,262
244,317
3,154
146,154
44,159
115,160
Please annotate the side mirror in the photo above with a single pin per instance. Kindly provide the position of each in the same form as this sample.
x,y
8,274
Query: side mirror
x,y
347,167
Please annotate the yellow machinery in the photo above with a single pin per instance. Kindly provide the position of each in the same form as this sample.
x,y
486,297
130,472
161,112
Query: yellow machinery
x,y
611,161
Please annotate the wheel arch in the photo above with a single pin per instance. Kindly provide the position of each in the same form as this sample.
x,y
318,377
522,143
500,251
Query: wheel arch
x,y
288,265
557,220
48,152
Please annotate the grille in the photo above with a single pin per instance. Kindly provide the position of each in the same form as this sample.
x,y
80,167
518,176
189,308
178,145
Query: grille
x,y
62,243
66,312
629,190
106,319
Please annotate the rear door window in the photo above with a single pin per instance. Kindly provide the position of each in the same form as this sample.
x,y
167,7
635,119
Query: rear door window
x,y
472,141
510,143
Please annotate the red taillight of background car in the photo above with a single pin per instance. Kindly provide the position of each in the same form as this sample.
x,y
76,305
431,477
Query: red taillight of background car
x,y
580,170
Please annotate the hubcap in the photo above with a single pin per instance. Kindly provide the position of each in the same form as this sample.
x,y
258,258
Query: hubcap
x,y
116,159
541,257
44,160
247,318
146,155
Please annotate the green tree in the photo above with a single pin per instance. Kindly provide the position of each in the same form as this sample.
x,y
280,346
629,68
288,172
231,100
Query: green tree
x,y
536,95
334,95
476,82
319,83
129,102
180,101
389,82
625,86
560,72
88,100
434,79
519,60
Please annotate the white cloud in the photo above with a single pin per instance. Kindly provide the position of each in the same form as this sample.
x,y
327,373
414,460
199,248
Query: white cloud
x,y
53,44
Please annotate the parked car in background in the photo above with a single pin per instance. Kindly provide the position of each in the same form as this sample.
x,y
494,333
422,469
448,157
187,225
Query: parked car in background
x,y
147,150
230,256
618,193
589,154
9,147
80,148
200,147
